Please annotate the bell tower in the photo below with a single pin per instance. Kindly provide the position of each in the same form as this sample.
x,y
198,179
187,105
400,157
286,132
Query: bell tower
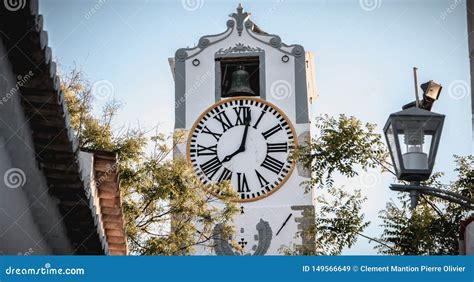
x,y
243,97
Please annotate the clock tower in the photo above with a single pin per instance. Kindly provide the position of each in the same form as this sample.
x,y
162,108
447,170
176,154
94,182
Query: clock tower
x,y
243,97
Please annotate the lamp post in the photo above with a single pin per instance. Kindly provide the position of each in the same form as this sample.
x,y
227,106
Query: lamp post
x,y
413,136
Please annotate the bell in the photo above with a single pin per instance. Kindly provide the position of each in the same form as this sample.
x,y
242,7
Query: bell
x,y
240,85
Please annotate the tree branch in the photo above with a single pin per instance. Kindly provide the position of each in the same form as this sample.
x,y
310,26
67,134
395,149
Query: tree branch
x,y
376,240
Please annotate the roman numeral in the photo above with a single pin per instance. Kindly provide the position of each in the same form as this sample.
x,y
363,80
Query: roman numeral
x,y
225,175
261,179
277,147
214,134
259,119
272,164
206,151
242,185
224,120
242,114
272,131
210,167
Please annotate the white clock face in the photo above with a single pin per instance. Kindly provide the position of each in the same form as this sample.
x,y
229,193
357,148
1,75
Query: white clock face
x,y
244,140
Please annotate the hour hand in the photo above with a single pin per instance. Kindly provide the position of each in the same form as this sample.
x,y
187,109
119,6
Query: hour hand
x,y
229,157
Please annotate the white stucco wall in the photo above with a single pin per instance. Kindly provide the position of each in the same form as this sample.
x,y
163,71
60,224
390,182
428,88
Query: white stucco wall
x,y
469,239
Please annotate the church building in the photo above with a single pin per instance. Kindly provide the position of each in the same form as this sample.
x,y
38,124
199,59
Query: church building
x,y
243,96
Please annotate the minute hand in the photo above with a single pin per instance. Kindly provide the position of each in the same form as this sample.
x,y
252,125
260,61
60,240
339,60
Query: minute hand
x,y
244,139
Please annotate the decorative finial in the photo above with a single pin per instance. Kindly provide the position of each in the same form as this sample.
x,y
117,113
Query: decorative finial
x,y
240,8
240,17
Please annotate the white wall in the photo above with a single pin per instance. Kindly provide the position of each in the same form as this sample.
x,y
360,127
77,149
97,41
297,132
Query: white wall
x,y
469,239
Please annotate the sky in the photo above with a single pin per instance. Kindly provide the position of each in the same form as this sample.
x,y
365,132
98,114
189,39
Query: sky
x,y
364,54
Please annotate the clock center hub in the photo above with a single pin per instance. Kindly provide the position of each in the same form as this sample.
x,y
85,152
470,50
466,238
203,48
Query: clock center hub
x,y
244,161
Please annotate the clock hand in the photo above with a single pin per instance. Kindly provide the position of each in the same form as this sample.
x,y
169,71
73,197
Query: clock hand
x,y
241,149
284,223
248,118
229,157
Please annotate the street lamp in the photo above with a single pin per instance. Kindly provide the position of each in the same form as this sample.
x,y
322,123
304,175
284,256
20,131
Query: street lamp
x,y
413,136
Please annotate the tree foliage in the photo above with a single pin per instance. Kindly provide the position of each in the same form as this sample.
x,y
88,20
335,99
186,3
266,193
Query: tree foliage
x,y
167,210
340,221
343,146
433,227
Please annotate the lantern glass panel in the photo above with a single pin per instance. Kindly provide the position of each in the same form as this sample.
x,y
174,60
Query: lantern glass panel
x,y
414,148
392,144
416,136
